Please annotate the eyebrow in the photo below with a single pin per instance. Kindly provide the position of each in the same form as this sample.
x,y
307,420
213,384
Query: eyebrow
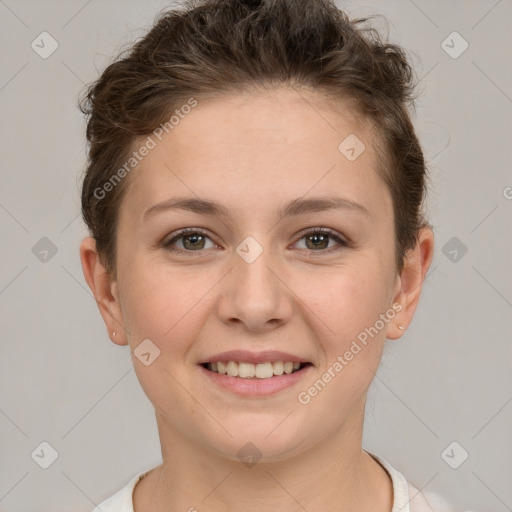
x,y
295,207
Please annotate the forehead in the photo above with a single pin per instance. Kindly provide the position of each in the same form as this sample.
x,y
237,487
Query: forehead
x,y
267,147
278,116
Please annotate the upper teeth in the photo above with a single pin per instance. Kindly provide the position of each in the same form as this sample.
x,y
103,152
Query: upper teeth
x,y
248,370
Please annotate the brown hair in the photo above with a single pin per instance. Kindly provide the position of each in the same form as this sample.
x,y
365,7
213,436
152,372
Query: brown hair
x,y
215,47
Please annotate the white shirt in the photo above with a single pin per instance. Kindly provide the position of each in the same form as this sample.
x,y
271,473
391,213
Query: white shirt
x,y
406,497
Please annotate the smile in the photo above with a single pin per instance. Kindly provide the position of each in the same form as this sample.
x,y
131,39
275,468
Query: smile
x,y
255,379
265,370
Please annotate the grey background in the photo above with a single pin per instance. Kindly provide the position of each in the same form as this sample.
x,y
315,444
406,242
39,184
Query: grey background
x,y
61,379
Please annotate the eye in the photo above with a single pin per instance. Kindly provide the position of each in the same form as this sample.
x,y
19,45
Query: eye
x,y
195,240
318,239
192,240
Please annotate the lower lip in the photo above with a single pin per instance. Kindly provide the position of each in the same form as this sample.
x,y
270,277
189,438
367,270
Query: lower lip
x,y
254,386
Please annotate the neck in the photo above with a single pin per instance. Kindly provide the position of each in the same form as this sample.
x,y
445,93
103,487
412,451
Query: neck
x,y
334,475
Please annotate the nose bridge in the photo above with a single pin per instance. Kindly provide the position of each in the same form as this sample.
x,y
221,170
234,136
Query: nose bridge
x,y
254,271
255,294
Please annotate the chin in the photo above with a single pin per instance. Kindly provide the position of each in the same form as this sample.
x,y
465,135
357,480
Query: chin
x,y
264,440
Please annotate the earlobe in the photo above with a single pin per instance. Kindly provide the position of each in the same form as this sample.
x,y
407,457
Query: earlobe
x,y
410,282
102,287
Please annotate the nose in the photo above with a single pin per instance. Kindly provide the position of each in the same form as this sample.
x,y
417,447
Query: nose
x,y
255,295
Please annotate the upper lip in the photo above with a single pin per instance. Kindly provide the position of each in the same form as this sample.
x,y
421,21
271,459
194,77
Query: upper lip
x,y
246,356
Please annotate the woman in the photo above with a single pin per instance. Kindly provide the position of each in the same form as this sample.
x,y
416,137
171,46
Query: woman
x,y
254,197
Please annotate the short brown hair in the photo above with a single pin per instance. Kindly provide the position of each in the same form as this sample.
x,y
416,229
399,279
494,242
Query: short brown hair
x,y
216,47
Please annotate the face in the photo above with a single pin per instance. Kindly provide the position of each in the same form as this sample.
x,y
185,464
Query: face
x,y
258,278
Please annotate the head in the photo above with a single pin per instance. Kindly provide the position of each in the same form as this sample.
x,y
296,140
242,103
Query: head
x,y
252,114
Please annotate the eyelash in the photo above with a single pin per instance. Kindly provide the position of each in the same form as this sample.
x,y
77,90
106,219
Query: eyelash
x,y
325,231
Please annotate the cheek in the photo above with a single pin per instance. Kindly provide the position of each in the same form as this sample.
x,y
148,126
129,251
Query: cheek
x,y
163,306
348,298
160,303
349,304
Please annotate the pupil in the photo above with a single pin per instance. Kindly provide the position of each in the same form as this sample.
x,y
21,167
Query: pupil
x,y
194,237
318,238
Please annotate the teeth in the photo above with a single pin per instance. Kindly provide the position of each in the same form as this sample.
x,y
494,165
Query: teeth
x,y
278,368
264,370
249,370
245,370
232,369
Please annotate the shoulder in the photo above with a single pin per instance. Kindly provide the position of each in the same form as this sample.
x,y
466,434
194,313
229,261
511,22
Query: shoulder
x,y
122,500
427,501
407,498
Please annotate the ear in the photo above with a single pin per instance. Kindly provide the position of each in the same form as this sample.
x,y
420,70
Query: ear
x,y
104,289
410,281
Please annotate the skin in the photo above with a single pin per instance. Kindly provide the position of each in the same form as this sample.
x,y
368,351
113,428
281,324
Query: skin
x,y
254,153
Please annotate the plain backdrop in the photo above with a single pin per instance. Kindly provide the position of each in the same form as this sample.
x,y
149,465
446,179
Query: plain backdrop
x,y
64,383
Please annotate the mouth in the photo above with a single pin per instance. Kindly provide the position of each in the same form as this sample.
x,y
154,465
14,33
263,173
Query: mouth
x,y
252,374
263,370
